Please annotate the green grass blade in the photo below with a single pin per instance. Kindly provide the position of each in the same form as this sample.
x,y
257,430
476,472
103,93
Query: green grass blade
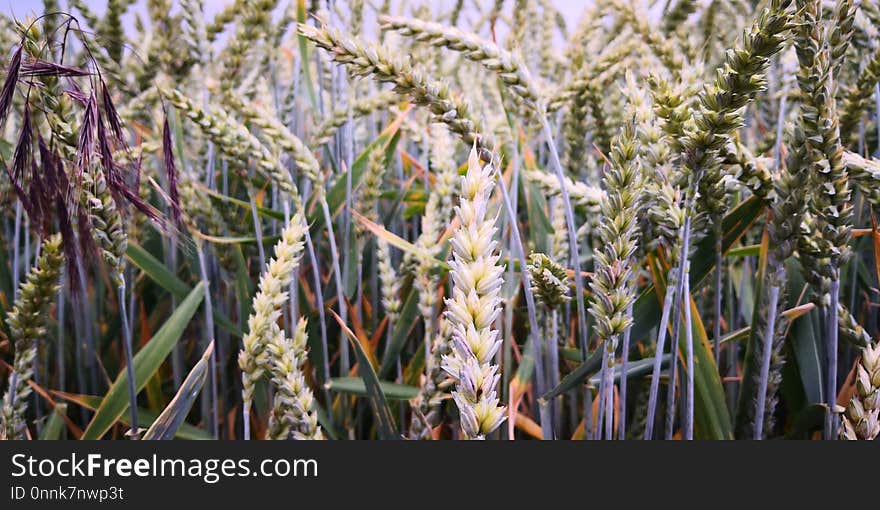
x,y
91,402
172,417
305,62
356,386
160,274
809,420
380,232
156,270
634,369
584,371
751,365
55,425
806,341
403,327
268,241
384,419
711,416
146,362
242,204
539,224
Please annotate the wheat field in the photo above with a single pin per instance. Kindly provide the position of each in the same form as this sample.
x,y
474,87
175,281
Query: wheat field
x,y
441,220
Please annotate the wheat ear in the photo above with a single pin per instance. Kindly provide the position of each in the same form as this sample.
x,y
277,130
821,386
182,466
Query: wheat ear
x,y
364,59
474,305
292,415
831,207
232,139
509,68
268,304
861,418
614,277
28,322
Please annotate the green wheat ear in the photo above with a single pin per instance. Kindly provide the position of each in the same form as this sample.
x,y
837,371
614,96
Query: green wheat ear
x,y
28,322
364,59
233,139
108,227
549,281
292,415
613,283
255,358
510,69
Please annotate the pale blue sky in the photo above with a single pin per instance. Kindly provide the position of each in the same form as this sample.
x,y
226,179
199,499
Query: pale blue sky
x,y
571,9
20,9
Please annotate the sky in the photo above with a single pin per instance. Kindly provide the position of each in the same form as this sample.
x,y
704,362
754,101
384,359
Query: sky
x,y
571,9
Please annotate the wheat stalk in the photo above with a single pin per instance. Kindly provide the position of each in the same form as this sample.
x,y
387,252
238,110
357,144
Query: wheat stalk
x,y
783,232
824,153
613,281
274,130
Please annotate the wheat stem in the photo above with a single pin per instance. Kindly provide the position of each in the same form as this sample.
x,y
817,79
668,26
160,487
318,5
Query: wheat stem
x,y
688,425
127,345
765,364
573,247
516,243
